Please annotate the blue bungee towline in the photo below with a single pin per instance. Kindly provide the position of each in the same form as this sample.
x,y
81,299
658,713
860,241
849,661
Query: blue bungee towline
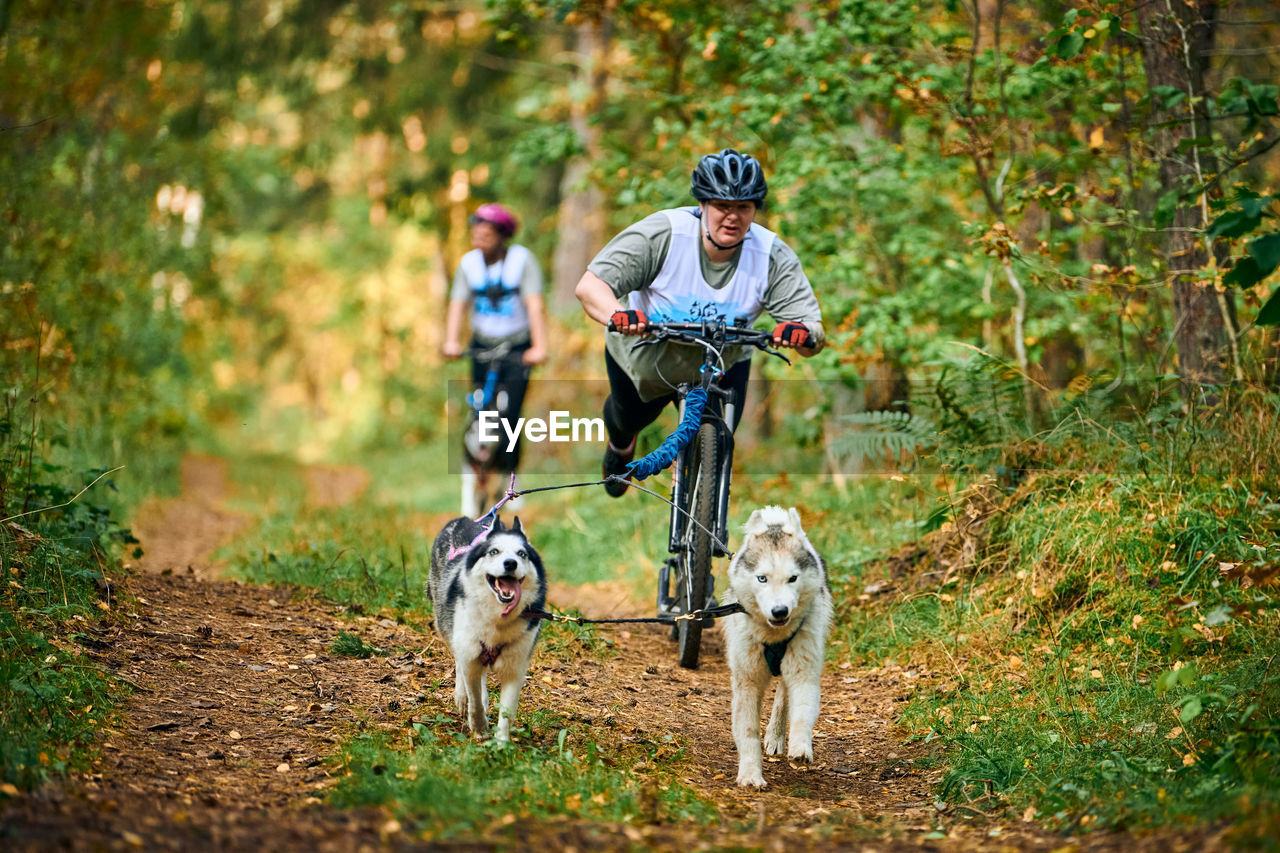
x,y
661,457
658,460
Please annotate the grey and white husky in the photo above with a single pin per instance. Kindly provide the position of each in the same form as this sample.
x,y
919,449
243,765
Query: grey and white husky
x,y
781,582
481,583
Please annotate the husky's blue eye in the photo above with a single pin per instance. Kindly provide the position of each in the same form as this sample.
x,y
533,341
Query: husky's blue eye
x,y
762,578
521,554
492,551
793,579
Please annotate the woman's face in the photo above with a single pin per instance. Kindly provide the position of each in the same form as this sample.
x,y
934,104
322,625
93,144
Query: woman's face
x,y
486,238
728,221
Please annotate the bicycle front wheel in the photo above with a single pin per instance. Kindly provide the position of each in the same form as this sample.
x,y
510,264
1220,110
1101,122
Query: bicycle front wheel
x,y
696,557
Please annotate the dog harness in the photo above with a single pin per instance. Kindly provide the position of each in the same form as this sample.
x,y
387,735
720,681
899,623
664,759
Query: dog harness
x,y
489,656
775,652
496,308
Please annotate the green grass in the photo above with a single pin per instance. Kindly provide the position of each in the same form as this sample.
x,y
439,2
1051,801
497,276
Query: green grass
x,y
368,556
351,645
447,784
1103,628
54,570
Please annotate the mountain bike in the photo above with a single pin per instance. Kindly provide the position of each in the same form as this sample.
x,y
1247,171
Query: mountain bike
x,y
701,478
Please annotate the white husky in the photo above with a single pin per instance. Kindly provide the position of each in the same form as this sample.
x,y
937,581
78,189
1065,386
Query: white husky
x,y
479,577
781,583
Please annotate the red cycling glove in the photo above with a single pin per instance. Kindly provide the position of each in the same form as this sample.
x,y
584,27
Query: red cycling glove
x,y
621,319
792,334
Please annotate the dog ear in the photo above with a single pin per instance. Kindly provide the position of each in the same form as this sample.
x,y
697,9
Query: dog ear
x,y
755,524
794,515
498,527
516,528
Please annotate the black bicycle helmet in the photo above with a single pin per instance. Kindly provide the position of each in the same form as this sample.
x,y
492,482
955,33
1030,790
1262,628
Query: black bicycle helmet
x,y
730,176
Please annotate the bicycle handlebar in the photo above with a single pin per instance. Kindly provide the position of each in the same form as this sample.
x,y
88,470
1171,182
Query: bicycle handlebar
x,y
495,353
706,333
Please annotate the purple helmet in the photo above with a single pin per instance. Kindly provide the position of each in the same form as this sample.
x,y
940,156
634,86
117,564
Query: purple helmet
x,y
498,216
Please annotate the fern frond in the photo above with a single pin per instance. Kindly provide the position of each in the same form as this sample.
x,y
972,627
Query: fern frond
x,y
876,435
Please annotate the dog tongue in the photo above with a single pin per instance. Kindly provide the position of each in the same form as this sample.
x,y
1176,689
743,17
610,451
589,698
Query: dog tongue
x,y
512,586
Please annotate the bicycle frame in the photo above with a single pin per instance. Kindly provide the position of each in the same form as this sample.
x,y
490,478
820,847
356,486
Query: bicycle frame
x,y
713,337
724,473
480,398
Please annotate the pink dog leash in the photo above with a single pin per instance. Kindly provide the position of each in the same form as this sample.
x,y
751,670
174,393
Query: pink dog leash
x,y
462,549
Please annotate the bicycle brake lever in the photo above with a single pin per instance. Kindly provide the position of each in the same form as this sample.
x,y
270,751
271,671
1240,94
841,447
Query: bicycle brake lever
x,y
774,352
645,342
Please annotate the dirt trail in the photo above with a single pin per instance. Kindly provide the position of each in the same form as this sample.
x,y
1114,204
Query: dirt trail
x,y
238,702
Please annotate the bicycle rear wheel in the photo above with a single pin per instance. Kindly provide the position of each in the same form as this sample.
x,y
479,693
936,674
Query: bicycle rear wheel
x,y
695,559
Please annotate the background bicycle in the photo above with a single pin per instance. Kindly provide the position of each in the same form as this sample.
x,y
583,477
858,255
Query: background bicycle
x,y
499,379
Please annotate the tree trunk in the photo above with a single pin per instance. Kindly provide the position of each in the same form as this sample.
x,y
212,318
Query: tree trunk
x,y
581,223
1176,35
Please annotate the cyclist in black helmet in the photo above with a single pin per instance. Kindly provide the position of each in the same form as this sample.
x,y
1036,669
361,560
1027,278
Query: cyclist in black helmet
x,y
683,265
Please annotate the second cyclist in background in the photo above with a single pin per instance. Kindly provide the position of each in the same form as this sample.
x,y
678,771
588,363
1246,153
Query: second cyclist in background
x,y
501,283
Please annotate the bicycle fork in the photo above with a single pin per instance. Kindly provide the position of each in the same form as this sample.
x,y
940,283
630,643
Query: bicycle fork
x,y
679,499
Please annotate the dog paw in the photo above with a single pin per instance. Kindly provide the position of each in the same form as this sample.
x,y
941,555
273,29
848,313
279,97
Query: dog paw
x,y
751,780
801,753
774,745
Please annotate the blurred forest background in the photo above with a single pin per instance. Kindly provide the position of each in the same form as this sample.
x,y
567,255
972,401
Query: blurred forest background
x,y
244,214
1044,236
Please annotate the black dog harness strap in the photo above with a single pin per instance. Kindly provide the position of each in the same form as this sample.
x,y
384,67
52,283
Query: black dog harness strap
x,y
775,652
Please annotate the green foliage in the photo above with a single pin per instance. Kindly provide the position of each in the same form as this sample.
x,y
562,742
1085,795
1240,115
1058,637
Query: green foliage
x,y
352,646
1102,630
875,435
57,556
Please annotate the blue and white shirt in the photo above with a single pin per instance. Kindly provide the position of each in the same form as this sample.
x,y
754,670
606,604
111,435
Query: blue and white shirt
x,y
659,266
497,292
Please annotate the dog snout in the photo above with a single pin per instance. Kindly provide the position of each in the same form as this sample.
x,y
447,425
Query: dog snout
x,y
780,612
510,566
